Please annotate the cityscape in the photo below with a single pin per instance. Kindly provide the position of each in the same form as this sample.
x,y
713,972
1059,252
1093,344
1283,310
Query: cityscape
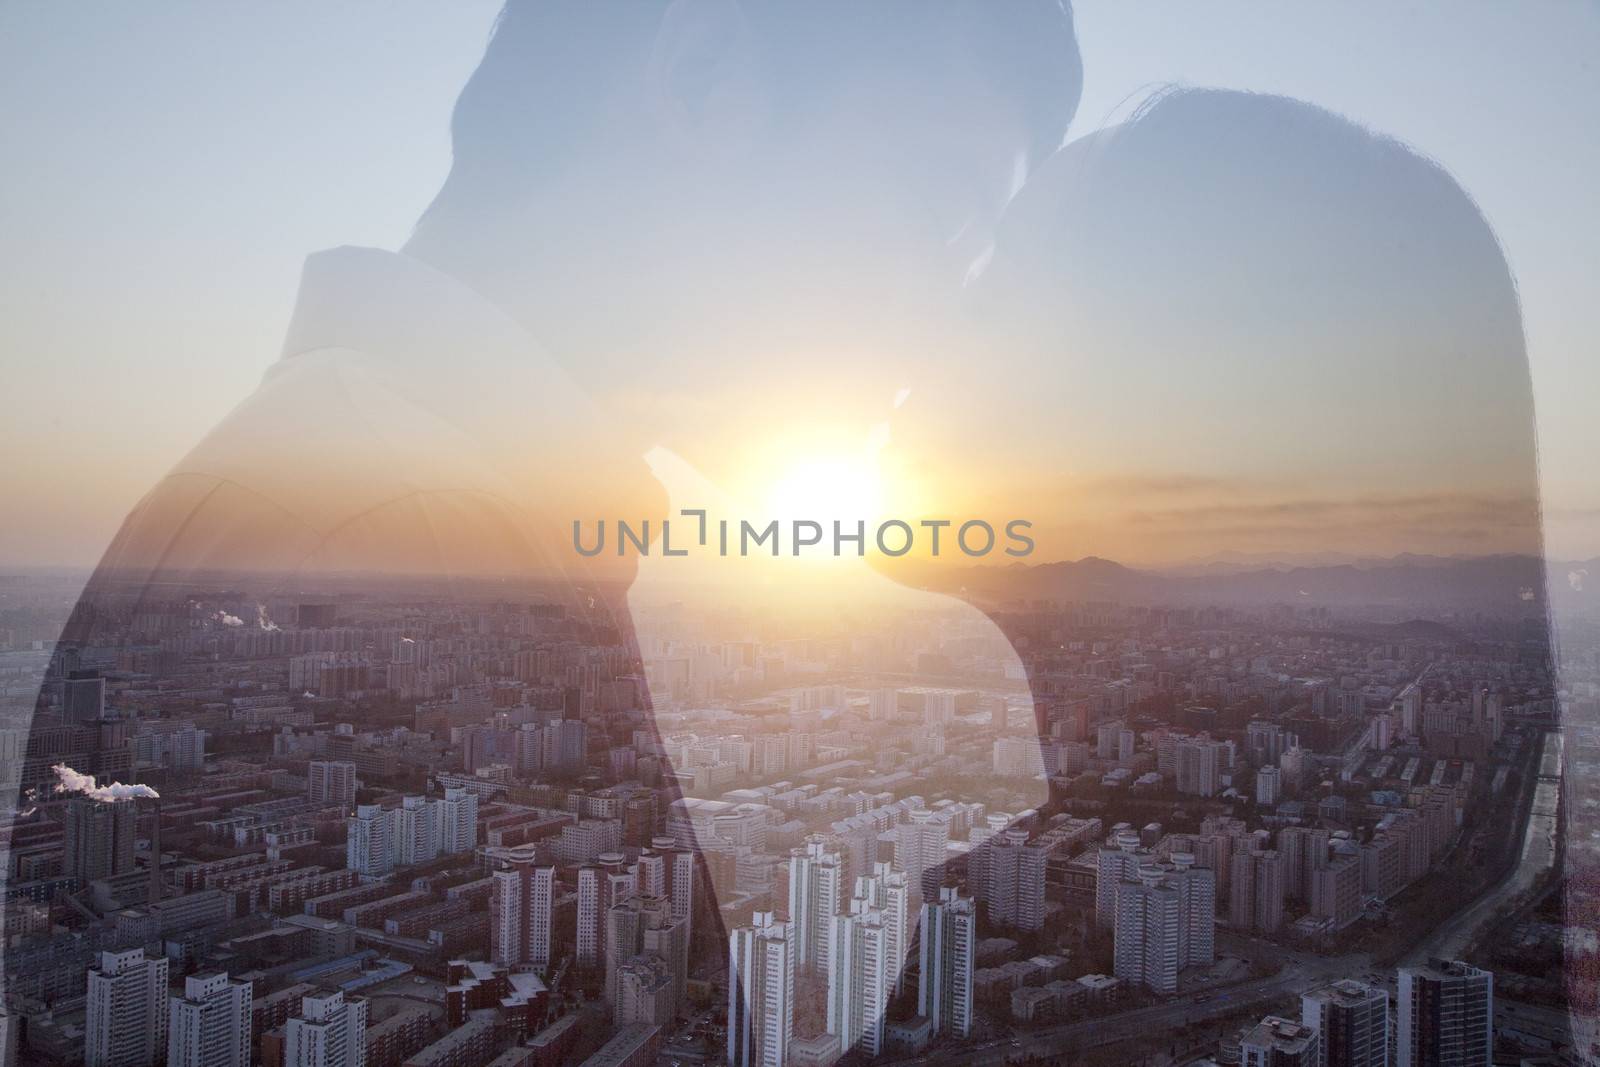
x,y
799,533
377,823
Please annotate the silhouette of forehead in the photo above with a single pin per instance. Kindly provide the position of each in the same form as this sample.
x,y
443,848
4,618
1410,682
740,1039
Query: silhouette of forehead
x,y
547,58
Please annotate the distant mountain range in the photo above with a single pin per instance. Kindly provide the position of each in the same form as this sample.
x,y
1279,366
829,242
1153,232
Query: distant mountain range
x,y
1239,562
1499,584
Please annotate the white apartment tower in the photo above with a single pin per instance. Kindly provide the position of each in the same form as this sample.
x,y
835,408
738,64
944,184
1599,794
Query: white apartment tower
x,y
816,896
919,850
1200,763
601,886
369,844
887,891
416,832
644,926
1013,881
332,783
458,820
521,902
330,1032
860,979
1269,786
665,870
1279,1042
126,1023
949,940
760,993
1352,1023
1116,863
1256,890
1445,1016
1165,922
209,1025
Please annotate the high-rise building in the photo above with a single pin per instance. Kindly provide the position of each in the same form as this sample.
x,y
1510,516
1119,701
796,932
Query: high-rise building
x,y
416,832
638,811
1165,922
949,941
1265,741
882,705
1336,890
1279,1042
816,896
1116,863
171,744
1352,1024
126,1011
83,696
521,906
601,886
1411,710
209,1025
1107,739
640,925
860,979
665,870
1012,885
999,716
760,993
1200,765
564,745
419,831
332,783
1256,891
10,1037
920,846
457,813
99,838
330,1032
666,938
1269,786
370,840
1445,1016
1148,932
886,890
1304,851
646,993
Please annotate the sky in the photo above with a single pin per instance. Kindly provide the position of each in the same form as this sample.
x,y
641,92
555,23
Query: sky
x,y
173,164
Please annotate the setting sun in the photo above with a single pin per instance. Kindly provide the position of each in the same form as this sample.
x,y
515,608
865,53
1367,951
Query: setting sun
x,y
828,488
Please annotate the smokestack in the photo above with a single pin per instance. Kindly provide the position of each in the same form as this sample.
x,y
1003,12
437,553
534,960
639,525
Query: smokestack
x,y
155,853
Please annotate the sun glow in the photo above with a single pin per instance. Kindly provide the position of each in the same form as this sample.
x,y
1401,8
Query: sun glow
x,y
828,488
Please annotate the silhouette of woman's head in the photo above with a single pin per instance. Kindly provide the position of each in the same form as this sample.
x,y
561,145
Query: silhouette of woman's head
x,y
1262,327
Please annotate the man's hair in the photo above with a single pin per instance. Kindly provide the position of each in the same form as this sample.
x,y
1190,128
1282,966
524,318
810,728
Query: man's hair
x,y
537,96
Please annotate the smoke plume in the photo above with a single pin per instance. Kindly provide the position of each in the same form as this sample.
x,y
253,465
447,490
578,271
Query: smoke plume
x,y
70,781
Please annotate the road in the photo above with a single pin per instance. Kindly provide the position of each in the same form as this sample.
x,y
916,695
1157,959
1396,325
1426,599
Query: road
x,y
1451,939
1303,974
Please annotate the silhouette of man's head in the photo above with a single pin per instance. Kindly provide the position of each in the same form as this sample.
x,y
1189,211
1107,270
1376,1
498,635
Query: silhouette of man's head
x,y
628,171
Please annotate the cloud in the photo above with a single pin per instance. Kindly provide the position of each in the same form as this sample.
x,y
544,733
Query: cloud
x,y
71,781
1137,485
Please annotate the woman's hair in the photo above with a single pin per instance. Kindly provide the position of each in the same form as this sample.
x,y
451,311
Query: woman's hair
x,y
1334,298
